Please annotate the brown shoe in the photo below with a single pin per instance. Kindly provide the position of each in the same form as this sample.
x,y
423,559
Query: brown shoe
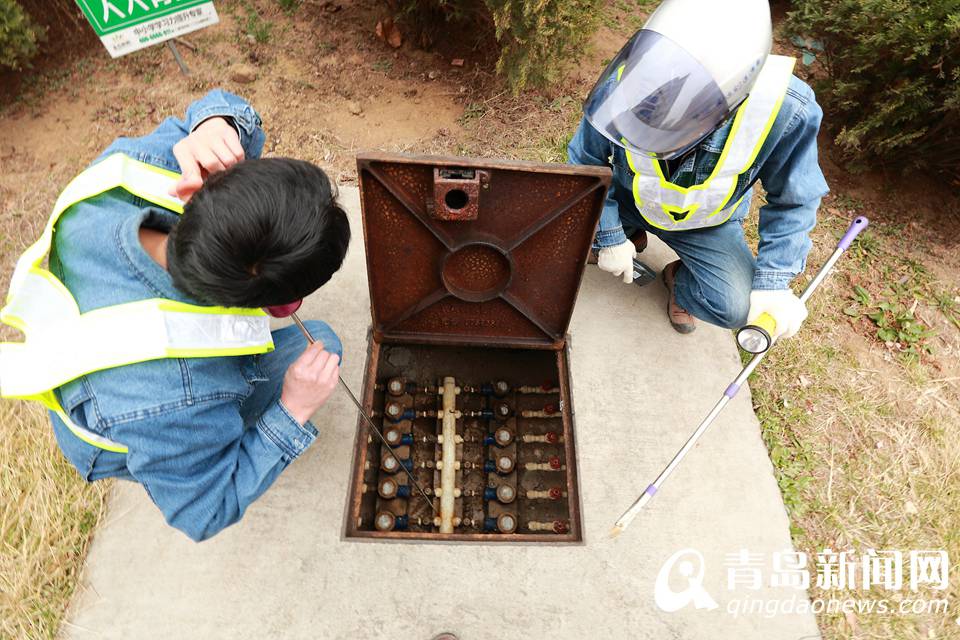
x,y
639,240
680,319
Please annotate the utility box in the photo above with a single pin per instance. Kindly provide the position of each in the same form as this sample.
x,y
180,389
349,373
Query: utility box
x,y
474,267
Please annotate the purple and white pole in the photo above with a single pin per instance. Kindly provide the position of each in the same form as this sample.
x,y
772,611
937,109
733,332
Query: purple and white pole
x,y
858,225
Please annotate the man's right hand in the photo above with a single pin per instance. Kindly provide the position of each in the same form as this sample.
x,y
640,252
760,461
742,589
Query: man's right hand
x,y
310,381
213,146
618,260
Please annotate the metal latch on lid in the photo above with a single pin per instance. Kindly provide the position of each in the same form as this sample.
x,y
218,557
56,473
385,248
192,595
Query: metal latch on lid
x,y
456,193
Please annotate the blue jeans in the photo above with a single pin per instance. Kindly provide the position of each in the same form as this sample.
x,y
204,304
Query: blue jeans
x,y
288,343
716,276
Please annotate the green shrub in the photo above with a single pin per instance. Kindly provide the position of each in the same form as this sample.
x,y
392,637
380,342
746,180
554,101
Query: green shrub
x,y
892,95
18,35
536,38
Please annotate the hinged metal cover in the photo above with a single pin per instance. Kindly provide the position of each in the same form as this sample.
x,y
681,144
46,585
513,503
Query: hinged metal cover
x,y
506,276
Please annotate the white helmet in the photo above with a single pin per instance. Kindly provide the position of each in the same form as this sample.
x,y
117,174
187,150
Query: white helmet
x,y
682,75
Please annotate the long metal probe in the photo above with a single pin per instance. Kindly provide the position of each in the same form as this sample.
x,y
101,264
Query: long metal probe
x,y
369,422
855,228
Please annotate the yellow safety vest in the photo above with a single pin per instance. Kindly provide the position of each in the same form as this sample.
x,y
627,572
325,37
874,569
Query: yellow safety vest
x,y
672,208
62,344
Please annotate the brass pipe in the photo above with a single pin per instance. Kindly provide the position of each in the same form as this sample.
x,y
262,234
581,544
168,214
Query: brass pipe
x,y
448,474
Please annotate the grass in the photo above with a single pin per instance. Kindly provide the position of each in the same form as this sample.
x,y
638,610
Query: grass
x,y
47,515
627,14
290,6
256,27
863,427
47,512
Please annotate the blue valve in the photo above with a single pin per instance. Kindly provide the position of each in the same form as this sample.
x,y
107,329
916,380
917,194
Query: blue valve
x,y
500,438
499,388
386,521
409,414
389,464
503,465
505,523
503,493
389,489
405,439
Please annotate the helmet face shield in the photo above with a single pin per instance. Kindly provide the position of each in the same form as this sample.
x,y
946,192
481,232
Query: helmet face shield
x,y
655,99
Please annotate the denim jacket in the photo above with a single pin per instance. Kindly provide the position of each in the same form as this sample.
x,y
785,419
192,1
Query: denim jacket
x,y
786,165
188,445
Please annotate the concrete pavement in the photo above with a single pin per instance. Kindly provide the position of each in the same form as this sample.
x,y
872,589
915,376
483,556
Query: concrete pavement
x,y
639,390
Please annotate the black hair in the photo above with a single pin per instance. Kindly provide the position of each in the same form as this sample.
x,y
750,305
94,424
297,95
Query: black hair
x,y
264,232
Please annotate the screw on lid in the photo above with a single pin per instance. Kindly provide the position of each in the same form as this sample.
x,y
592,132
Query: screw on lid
x,y
555,462
385,521
506,523
501,387
559,526
388,488
395,386
394,409
389,463
393,435
552,437
503,436
506,493
505,464
556,493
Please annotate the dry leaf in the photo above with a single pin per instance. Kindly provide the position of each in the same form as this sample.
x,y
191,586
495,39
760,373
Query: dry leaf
x,y
389,33
852,621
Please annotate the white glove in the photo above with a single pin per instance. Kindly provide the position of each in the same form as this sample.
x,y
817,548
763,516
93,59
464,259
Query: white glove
x,y
785,308
618,260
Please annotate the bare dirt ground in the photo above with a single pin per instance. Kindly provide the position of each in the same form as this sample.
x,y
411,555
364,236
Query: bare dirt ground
x,y
862,424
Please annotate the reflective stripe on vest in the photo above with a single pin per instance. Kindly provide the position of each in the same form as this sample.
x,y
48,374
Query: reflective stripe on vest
x,y
673,208
62,344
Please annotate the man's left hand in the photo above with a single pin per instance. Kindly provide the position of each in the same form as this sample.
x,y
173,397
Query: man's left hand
x,y
213,146
783,305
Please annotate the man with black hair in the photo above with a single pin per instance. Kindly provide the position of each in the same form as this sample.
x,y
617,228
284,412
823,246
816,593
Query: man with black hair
x,y
145,337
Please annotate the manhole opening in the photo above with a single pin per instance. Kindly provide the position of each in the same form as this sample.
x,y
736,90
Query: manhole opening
x,y
499,467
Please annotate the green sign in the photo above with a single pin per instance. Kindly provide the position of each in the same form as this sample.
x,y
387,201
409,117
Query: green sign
x,y
128,25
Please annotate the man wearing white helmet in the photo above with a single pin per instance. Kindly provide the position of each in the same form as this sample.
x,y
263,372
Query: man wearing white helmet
x,y
690,114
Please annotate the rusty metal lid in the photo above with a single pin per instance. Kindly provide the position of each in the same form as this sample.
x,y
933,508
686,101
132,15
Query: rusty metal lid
x,y
476,251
